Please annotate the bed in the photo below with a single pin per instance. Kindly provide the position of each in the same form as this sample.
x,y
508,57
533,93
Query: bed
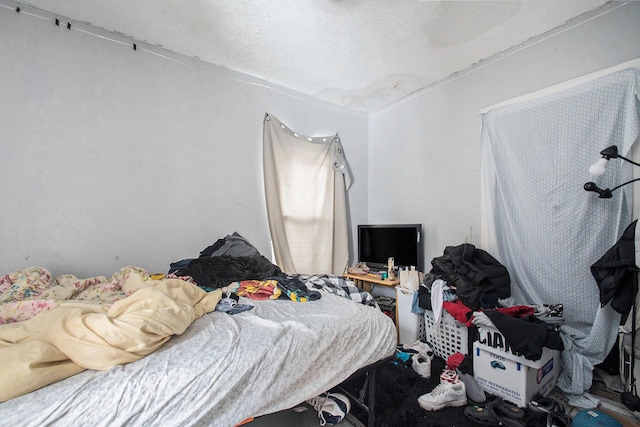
x,y
213,369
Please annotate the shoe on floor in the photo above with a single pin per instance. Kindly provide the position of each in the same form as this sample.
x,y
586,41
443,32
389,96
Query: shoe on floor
x,y
540,406
558,419
475,393
549,313
421,364
444,395
419,347
331,407
449,375
496,412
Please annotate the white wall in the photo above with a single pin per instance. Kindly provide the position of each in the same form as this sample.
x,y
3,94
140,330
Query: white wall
x,y
114,157
424,164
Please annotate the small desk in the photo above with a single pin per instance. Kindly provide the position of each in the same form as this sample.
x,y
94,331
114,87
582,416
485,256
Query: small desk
x,y
368,281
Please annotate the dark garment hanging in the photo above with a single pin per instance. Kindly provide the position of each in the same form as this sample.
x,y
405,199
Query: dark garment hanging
x,y
424,292
617,274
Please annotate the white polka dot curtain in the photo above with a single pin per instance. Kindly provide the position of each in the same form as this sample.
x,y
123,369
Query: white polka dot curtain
x,y
540,222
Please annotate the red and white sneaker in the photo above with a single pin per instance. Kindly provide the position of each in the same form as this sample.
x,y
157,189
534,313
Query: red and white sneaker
x,y
449,375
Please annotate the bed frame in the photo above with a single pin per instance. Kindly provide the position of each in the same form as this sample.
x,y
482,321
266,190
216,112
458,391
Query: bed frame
x,y
366,398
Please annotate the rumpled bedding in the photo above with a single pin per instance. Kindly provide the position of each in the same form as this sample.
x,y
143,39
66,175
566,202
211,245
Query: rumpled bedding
x,y
222,370
340,286
55,328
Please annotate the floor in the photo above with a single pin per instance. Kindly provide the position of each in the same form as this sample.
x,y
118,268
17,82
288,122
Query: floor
x,y
610,401
300,416
604,387
305,416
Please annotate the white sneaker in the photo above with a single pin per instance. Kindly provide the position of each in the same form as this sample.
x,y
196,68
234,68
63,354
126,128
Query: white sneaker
x,y
421,363
445,394
549,313
420,347
331,407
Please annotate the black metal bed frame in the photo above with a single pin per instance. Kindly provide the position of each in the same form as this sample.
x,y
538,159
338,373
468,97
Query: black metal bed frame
x,y
367,396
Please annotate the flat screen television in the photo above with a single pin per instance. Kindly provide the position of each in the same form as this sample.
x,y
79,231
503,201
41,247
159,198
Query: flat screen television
x,y
378,242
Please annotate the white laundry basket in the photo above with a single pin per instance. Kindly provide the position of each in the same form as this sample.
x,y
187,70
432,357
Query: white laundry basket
x,y
446,338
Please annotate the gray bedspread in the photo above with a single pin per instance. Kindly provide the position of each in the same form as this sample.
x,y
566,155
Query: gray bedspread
x,y
223,369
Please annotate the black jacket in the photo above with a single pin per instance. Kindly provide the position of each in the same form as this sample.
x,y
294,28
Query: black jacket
x,y
616,273
219,271
473,272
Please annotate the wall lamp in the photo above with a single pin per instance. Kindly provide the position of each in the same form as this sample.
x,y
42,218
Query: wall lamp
x,y
599,167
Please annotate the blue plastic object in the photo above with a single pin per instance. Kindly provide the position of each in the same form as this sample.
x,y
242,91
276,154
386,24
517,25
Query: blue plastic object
x,y
594,418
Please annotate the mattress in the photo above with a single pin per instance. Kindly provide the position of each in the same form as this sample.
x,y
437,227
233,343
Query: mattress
x,y
222,370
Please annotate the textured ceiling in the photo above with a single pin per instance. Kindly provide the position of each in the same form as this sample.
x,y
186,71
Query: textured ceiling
x,y
362,54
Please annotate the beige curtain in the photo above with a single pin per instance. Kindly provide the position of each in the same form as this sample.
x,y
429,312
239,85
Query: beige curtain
x,y
306,182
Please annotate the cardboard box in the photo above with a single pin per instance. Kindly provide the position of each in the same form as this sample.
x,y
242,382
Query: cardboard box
x,y
512,377
492,340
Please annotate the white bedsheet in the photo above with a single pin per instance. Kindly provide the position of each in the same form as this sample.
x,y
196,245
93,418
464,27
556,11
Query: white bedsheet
x,y
222,370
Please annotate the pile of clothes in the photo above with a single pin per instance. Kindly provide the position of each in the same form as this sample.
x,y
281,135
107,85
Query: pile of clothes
x,y
469,283
234,263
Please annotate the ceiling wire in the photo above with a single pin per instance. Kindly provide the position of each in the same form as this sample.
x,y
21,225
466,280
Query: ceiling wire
x,y
136,46
20,9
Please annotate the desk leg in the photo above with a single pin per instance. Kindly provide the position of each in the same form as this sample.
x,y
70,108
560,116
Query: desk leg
x,y
363,284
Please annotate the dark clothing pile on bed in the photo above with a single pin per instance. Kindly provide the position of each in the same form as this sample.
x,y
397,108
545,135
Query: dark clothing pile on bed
x,y
234,259
232,245
217,272
230,259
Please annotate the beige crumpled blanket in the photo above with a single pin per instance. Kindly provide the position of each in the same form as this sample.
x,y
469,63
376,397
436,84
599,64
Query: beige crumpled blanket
x,y
72,337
